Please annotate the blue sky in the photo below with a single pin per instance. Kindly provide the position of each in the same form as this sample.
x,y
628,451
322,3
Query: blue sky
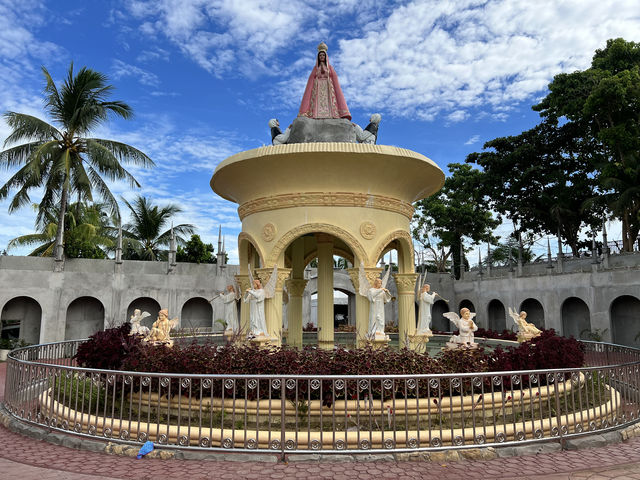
x,y
204,77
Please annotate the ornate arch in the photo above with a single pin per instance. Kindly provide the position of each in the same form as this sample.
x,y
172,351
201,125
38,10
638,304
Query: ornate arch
x,y
245,237
405,250
296,232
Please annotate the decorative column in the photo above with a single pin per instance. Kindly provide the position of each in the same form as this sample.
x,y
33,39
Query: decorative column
x,y
273,306
362,303
405,283
243,284
325,291
295,287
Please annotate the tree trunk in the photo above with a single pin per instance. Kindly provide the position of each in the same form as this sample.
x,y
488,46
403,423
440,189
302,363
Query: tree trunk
x,y
627,245
59,251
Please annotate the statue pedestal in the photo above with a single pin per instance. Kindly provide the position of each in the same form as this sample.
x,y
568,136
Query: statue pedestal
x,y
418,341
231,336
459,346
379,342
262,341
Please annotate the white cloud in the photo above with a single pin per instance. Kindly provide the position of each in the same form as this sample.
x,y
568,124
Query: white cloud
x,y
472,140
121,69
424,58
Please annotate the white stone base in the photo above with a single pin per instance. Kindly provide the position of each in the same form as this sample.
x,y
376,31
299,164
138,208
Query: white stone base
x,y
460,346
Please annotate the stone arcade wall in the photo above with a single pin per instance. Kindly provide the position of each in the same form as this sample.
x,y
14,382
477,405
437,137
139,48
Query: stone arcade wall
x,y
588,296
86,283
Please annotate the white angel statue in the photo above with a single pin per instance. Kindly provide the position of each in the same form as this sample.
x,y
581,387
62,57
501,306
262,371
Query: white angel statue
x,y
377,295
255,297
425,300
229,299
135,319
466,327
526,330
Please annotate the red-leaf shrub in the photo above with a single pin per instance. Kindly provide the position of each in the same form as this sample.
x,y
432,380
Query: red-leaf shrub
x,y
108,349
545,351
115,349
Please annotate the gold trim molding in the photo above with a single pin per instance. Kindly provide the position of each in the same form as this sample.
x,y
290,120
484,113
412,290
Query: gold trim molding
x,y
325,199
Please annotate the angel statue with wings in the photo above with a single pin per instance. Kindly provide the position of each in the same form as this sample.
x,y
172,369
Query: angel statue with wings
x,y
136,318
425,300
466,327
160,329
526,330
229,299
255,297
377,295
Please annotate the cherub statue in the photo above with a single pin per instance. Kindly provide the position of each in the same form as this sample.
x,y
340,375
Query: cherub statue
x,y
466,327
526,330
160,329
277,137
370,133
425,300
135,319
229,299
377,295
255,297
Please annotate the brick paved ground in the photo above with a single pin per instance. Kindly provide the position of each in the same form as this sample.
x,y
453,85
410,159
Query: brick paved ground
x,y
26,458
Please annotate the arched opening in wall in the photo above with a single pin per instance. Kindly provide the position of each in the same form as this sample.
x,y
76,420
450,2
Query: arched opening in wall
x,y
21,318
535,312
496,316
575,318
145,304
467,304
85,316
198,313
625,320
438,321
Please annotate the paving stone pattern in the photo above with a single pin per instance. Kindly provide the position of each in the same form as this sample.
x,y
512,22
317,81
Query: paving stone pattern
x,y
26,458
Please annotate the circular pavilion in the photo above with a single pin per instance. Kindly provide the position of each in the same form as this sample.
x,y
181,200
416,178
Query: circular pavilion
x,y
303,201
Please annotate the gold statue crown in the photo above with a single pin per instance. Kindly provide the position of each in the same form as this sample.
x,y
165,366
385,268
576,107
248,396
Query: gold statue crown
x,y
323,47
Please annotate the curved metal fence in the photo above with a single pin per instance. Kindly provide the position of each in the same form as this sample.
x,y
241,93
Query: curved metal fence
x,y
333,414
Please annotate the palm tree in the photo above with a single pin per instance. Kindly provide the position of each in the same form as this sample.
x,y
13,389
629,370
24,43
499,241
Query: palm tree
x,y
89,232
143,236
61,158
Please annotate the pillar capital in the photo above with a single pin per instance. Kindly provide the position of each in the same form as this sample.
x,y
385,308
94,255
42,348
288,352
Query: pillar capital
x,y
371,272
243,282
264,274
296,286
405,282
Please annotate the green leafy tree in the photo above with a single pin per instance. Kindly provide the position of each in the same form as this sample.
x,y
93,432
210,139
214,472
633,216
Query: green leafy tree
x,y
604,102
150,230
196,251
458,210
89,232
60,157
543,179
